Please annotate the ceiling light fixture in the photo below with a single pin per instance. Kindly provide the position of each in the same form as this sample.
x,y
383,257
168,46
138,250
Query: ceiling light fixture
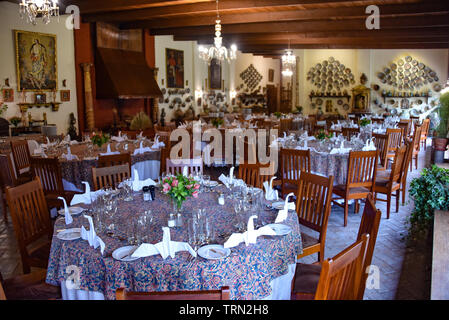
x,y
217,51
288,62
33,9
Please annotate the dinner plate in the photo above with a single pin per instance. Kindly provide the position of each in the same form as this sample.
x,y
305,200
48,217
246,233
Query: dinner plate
x,y
69,234
279,205
124,253
72,210
280,229
212,184
213,252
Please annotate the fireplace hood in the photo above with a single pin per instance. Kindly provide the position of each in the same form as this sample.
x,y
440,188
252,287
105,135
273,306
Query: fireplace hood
x,y
124,74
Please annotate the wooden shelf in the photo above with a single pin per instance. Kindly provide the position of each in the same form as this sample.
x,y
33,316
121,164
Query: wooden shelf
x,y
402,97
312,96
25,106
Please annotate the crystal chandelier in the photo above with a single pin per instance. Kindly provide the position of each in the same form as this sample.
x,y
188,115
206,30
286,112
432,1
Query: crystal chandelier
x,y
33,9
217,51
288,62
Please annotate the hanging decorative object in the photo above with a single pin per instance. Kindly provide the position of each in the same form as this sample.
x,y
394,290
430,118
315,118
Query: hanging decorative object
x,y
288,62
32,9
218,51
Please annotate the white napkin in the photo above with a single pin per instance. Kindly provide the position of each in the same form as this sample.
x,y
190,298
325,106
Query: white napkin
x,y
67,215
87,197
157,144
119,138
165,248
270,194
69,156
141,149
138,184
305,147
39,152
109,152
231,174
185,171
140,135
91,237
283,214
369,146
340,150
249,236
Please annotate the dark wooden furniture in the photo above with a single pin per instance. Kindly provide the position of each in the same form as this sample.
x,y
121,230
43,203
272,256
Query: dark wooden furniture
x,y
7,179
348,133
360,179
313,206
382,141
4,127
110,177
395,141
21,157
222,294
292,162
424,133
252,174
416,147
31,221
176,166
114,160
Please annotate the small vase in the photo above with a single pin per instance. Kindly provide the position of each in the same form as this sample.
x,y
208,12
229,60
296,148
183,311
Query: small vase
x,y
177,207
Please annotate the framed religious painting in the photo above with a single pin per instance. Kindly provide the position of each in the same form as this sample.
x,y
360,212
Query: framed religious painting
x,y
8,95
270,75
215,76
361,99
65,95
175,68
36,61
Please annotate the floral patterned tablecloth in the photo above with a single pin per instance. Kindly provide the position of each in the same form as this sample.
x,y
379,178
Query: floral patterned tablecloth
x,y
248,271
330,164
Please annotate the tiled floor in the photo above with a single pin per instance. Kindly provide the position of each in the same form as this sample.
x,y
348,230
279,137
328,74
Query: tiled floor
x,y
388,255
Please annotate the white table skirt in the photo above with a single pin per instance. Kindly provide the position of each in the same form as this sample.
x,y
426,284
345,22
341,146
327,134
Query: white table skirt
x,y
280,286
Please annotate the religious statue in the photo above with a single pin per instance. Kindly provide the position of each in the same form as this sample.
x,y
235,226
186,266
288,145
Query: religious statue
x,y
72,129
162,121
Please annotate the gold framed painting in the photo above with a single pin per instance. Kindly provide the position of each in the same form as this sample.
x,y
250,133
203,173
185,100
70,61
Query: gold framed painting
x,y
65,95
36,61
174,61
215,76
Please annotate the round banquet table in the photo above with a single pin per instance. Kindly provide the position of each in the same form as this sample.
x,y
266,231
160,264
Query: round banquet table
x,y
259,271
327,164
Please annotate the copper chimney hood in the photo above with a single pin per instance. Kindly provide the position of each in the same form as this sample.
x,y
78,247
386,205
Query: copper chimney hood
x,y
124,74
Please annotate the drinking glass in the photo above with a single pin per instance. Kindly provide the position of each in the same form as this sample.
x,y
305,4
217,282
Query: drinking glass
x,y
127,185
206,182
210,230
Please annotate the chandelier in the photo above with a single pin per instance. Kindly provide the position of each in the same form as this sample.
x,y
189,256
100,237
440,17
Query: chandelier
x,y
33,9
288,63
218,51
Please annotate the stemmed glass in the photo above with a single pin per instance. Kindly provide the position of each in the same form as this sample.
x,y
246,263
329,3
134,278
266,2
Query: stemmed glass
x,y
206,182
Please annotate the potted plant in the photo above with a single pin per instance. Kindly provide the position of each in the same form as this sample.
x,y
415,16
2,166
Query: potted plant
x,y
15,121
440,139
141,121
278,114
217,122
100,139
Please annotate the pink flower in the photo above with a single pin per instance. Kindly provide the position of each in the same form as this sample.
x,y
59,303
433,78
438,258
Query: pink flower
x,y
196,186
195,194
174,183
166,187
188,186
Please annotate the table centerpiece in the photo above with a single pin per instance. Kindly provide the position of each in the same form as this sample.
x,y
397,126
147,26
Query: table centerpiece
x,y
179,188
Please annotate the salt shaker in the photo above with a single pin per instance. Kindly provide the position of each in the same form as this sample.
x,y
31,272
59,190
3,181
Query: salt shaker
x,y
146,194
221,199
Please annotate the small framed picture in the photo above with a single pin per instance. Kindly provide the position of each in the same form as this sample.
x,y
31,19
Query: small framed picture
x,y
65,95
8,95
40,98
270,75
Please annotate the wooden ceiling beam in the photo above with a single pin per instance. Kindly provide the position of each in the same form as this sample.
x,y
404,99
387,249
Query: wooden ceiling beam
x,y
242,17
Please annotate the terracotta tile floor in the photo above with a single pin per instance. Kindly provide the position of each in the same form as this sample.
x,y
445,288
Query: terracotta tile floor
x,y
388,255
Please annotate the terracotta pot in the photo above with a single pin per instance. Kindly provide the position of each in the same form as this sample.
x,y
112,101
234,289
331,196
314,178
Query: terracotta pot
x,y
440,144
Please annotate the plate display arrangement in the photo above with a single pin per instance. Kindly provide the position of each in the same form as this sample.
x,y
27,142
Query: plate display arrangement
x,y
330,75
407,74
251,77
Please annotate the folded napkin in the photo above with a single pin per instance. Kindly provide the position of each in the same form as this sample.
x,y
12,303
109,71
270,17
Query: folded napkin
x,y
283,214
249,236
141,149
157,144
270,193
138,184
109,152
185,171
119,138
305,147
69,156
39,152
369,146
67,215
341,149
91,236
165,248
140,135
87,197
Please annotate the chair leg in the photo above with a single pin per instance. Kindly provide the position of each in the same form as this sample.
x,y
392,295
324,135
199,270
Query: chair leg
x,y
397,200
5,213
388,205
346,213
416,162
403,193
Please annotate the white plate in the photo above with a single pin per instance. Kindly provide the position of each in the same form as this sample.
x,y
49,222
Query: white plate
x,y
213,252
121,253
69,234
72,210
212,184
278,205
280,229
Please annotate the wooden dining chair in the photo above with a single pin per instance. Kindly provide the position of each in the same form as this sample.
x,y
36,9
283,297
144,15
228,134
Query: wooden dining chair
x,y
110,177
382,141
30,286
7,179
317,128
395,141
393,183
176,166
313,205
164,136
31,220
406,126
285,125
114,160
339,277
252,175
21,156
292,163
222,294
348,133
424,133
416,147
360,179
49,172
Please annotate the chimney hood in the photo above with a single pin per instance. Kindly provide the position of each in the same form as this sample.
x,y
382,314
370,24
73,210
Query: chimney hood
x,y
124,74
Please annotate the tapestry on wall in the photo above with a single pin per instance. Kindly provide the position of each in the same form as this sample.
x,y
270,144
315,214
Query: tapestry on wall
x,y
36,61
175,68
215,75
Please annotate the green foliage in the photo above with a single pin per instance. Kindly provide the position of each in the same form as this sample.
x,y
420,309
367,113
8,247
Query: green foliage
x,y
179,188
140,122
15,121
3,108
430,192
216,122
100,139
443,112
321,135
364,122
278,114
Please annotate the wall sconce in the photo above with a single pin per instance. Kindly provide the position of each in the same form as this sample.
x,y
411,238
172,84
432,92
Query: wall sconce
x,y
233,94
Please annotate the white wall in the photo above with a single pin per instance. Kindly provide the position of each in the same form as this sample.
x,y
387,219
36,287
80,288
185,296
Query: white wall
x,y
9,21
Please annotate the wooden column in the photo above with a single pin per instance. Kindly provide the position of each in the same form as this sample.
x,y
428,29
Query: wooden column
x,y
155,100
88,96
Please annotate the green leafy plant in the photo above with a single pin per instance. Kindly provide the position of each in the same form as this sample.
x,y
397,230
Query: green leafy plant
x,y
430,192
179,188
141,121
364,122
278,114
322,135
15,121
299,109
100,139
3,108
216,122
443,112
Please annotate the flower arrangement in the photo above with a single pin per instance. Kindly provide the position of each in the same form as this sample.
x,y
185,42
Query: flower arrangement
x,y
100,139
15,121
321,135
179,188
364,122
216,122
278,114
